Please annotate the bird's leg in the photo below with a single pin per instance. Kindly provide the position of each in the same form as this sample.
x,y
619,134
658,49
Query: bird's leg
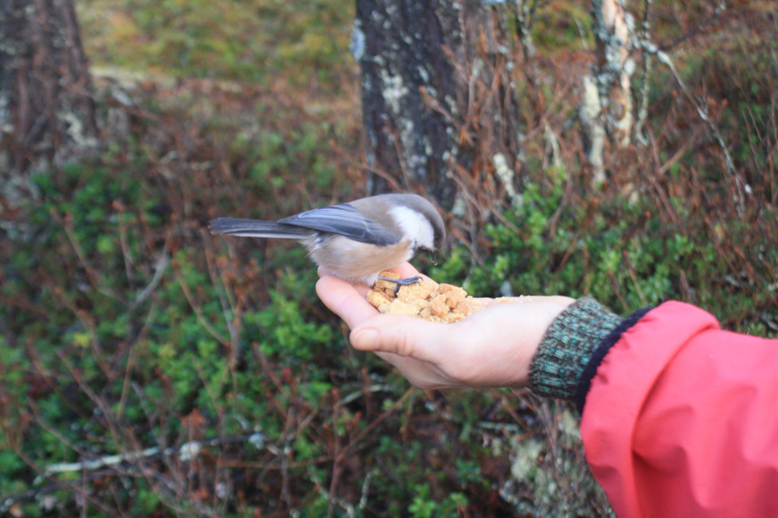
x,y
401,282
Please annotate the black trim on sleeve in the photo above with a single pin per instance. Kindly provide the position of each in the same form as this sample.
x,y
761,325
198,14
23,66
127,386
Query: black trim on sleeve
x,y
585,381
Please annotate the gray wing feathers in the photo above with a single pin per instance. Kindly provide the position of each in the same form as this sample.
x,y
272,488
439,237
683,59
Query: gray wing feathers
x,y
256,228
342,219
345,220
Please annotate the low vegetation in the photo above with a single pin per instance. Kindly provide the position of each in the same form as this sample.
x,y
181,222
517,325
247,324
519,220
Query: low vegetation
x,y
150,369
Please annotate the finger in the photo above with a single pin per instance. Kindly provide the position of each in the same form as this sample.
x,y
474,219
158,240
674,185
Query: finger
x,y
424,375
344,300
401,335
362,289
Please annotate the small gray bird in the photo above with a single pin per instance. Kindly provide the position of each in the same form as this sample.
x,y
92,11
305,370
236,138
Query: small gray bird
x,y
355,241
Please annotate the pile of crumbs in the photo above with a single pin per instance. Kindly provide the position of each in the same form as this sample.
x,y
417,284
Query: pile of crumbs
x,y
443,303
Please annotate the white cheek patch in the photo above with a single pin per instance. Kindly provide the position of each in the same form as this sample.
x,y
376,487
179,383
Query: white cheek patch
x,y
415,226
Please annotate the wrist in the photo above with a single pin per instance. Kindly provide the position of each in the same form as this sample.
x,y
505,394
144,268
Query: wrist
x,y
567,347
544,311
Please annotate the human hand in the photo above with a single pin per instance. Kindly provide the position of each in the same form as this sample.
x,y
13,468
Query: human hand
x,y
491,348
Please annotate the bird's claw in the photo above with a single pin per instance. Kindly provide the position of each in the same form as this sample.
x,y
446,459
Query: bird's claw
x,y
401,282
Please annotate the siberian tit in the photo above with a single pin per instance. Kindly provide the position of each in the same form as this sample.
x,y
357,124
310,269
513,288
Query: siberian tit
x,y
355,241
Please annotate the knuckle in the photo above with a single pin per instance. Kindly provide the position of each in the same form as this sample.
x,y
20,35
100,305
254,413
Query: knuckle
x,y
404,341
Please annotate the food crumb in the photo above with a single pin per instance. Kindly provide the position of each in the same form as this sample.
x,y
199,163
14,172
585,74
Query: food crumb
x,y
443,303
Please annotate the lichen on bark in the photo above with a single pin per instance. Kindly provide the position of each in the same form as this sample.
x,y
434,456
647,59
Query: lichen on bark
x,y
47,113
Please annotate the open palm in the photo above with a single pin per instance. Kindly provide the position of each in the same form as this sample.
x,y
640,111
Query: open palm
x,y
491,348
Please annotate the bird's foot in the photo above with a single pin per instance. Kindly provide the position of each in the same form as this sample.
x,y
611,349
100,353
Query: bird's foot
x,y
401,282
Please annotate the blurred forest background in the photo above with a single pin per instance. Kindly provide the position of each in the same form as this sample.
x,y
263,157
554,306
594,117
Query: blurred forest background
x,y
150,369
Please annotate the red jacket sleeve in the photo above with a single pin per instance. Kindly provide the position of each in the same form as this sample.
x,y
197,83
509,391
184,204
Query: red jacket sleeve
x,y
681,419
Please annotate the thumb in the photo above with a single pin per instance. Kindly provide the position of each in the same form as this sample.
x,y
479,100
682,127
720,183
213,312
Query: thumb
x,y
401,335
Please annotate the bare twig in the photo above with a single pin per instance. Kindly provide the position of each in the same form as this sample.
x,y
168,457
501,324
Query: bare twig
x,y
375,423
66,223
694,30
336,410
703,111
159,269
126,253
186,452
199,312
131,360
331,500
53,431
231,309
643,38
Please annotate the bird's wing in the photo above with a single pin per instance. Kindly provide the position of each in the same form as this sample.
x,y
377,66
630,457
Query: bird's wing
x,y
345,220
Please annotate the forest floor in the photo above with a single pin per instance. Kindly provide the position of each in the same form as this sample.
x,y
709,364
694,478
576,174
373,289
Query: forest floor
x,y
150,369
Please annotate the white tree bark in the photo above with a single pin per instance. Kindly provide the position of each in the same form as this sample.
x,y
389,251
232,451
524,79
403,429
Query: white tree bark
x,y
611,78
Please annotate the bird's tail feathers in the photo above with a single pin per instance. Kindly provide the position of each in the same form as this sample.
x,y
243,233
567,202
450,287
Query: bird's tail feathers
x,y
256,228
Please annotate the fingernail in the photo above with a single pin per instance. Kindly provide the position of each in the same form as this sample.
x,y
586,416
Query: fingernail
x,y
365,340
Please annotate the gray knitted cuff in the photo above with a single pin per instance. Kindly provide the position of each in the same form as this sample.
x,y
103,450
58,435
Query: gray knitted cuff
x,y
568,346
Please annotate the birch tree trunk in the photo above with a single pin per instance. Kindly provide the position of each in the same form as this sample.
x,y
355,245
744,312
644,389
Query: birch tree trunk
x,y
47,114
607,107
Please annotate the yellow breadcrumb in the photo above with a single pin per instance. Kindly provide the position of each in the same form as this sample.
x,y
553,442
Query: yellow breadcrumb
x,y
434,302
